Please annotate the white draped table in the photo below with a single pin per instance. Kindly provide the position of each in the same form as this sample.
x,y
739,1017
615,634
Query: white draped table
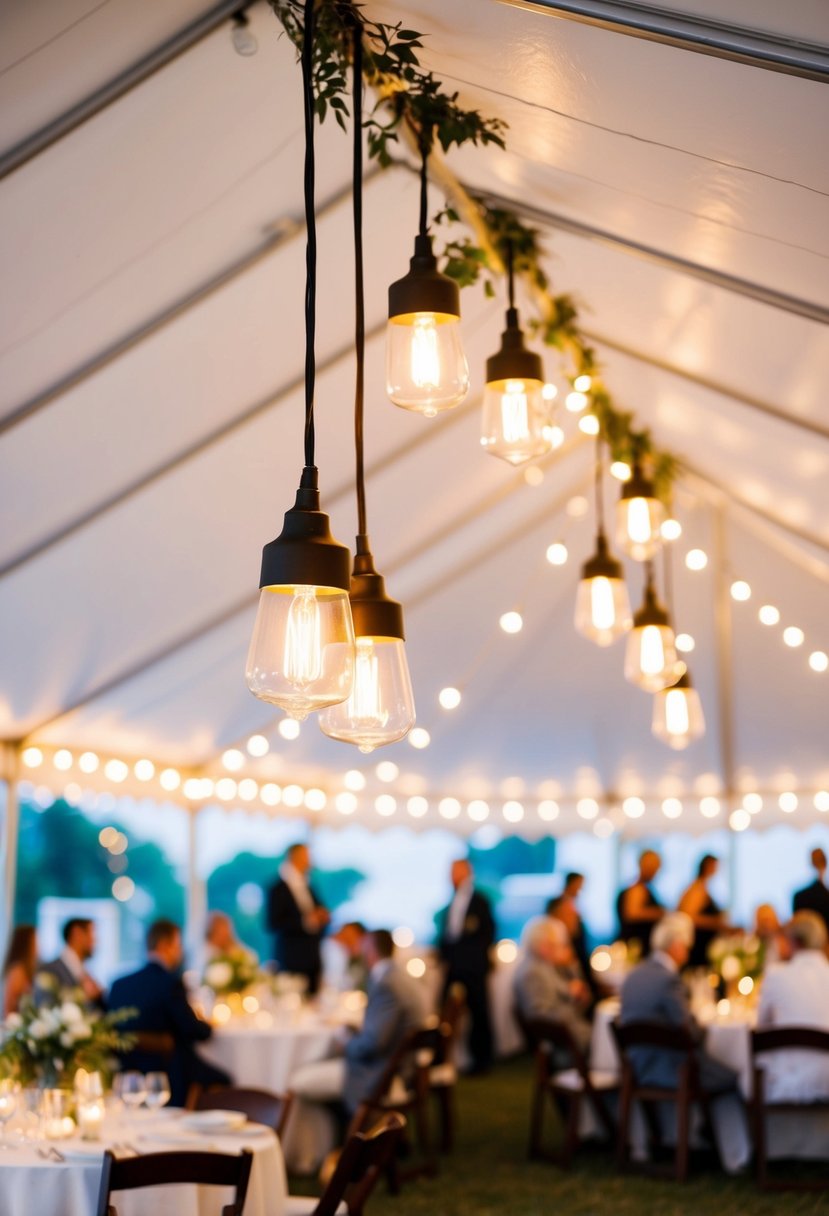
x,y
32,1186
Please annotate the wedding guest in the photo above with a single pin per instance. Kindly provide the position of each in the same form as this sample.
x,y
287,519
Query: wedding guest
x,y
298,918
653,992
395,1006
68,970
815,897
768,929
637,907
157,993
221,940
707,915
542,986
797,994
343,965
467,931
19,967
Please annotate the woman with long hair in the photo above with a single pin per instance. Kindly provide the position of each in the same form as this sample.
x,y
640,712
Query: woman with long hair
x,y
19,967
709,919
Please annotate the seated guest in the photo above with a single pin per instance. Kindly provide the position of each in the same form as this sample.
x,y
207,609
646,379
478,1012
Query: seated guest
x,y
797,994
638,908
343,966
653,992
768,929
396,1005
19,968
157,992
221,940
297,918
68,970
815,897
707,915
543,986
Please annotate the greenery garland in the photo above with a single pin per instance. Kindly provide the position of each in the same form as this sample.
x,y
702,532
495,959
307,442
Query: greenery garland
x,y
410,98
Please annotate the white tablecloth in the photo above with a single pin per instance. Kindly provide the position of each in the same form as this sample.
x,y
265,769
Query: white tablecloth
x,y
30,1186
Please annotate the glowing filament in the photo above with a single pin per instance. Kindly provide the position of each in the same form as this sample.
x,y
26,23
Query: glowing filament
x,y
365,703
425,357
303,650
639,521
515,419
677,719
602,608
652,652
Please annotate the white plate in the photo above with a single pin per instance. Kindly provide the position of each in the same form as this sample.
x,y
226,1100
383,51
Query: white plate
x,y
214,1120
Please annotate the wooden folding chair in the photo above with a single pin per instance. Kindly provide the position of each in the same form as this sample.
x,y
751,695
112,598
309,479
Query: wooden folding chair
x,y
764,1042
443,1073
566,1087
364,1158
161,1169
260,1105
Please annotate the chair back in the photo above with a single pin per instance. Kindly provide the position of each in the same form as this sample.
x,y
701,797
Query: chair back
x,y
154,1042
365,1156
652,1034
544,1031
776,1038
415,1052
260,1105
452,1011
161,1169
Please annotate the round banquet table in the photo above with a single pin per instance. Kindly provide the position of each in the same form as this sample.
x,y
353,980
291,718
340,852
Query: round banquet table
x,y
32,1186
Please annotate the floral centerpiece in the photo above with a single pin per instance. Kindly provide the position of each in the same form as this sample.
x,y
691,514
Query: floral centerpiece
x,y
48,1045
232,972
735,956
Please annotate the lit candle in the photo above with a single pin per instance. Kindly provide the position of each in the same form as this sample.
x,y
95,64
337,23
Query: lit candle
x,y
91,1119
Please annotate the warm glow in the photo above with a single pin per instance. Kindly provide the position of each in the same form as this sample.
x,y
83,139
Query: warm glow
x,y
601,960
676,712
107,837
549,392
582,383
380,709
787,803
634,808
793,636
346,802
289,728
315,799
387,771
684,643
753,803
515,420
822,801
144,770
354,780
385,804
426,369
248,789
403,937
425,364
513,811
557,553
258,745
671,808
302,661
818,660
250,1004
419,737
32,757
478,810
449,808
293,795
769,615
416,968
506,951
638,523
671,529
603,828
696,559
511,622
710,807
170,779
449,698
740,591
739,820
233,760
603,610
621,470
575,402
587,808
116,771
548,810
221,1013
417,806
271,793
88,762
62,759
745,986
123,888
226,789
589,424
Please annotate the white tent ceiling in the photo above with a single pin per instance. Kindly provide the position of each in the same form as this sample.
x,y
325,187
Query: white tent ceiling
x,y
150,398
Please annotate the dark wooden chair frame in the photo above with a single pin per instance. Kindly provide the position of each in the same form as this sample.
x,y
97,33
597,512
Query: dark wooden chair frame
x,y
365,1156
161,1169
687,1093
260,1105
451,1016
544,1034
778,1038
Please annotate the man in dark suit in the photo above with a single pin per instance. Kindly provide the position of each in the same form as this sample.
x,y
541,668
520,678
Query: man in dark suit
x,y
467,931
815,897
298,918
68,970
158,994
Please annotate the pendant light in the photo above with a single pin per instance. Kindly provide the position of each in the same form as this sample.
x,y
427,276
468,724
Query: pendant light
x,y
639,517
677,714
380,708
301,655
602,604
515,417
650,657
426,369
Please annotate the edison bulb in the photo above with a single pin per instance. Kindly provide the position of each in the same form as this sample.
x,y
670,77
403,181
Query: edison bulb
x,y
651,658
301,655
639,526
381,707
515,420
602,609
426,368
677,714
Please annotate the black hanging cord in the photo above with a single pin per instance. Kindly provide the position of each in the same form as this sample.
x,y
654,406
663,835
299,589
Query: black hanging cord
x,y
599,494
667,568
359,296
424,186
310,228
510,276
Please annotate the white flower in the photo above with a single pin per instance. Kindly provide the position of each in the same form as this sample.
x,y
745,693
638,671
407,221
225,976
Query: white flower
x,y
70,1012
39,1029
219,974
66,1039
82,1030
14,1021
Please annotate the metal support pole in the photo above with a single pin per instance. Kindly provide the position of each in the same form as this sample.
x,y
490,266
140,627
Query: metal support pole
x,y
725,678
8,845
196,922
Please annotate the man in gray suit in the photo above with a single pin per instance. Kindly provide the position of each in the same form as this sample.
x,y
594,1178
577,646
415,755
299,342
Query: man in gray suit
x,y
653,992
543,986
395,1006
68,971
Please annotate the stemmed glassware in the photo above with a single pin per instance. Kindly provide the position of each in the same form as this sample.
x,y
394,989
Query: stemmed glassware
x,y
158,1090
8,1105
132,1089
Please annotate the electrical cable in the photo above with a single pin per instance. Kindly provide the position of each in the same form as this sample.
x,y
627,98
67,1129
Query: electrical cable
x,y
359,291
311,229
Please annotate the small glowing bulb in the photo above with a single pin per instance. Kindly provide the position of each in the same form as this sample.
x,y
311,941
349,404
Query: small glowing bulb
x,y
621,470
740,591
289,728
478,810
753,803
346,802
170,779
116,771
387,771
511,622
513,811
671,529
589,424
582,383
385,804
233,760
449,808
696,559
822,801
587,808
548,810
354,780
248,789
417,806
303,641
793,636
419,737
575,402
449,698
549,392
425,368
557,554
258,745
768,615
788,803
554,436
89,762
818,660
710,807
634,808
32,757
144,770
226,789
739,820
671,808
62,759
685,643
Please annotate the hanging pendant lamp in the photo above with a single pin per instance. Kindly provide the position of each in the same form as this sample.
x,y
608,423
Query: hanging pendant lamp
x,y
515,416
426,369
301,655
602,603
650,656
677,714
639,517
380,708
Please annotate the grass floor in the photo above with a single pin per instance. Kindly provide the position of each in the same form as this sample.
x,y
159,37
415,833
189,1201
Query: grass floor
x,y
489,1174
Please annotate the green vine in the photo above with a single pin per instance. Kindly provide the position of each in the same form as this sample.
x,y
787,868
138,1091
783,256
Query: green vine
x,y
409,96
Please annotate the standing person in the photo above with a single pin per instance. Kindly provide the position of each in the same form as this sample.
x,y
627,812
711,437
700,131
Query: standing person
x,y
157,993
298,918
815,897
68,970
19,968
637,907
566,909
467,931
707,915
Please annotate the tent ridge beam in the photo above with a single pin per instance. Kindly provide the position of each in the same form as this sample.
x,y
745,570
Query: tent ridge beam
x,y
754,403
67,122
288,230
689,32
757,292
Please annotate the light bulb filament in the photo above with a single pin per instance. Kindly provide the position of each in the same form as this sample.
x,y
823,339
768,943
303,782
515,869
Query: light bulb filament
x,y
652,652
639,521
425,369
515,420
365,703
677,720
602,608
303,650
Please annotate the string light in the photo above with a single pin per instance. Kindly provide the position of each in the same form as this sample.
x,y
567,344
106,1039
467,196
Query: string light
x,y
753,803
818,660
478,810
587,808
739,820
62,760
511,622
289,728
385,804
419,737
634,808
449,698
740,591
233,760
793,637
685,643
449,808
788,802
354,780
258,746
769,615
513,811
710,807
671,808
32,757
346,802
671,529
696,559
417,806
387,771
548,810
557,553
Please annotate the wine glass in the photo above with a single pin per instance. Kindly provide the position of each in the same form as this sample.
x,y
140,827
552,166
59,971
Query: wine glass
x,y
158,1090
8,1105
133,1089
